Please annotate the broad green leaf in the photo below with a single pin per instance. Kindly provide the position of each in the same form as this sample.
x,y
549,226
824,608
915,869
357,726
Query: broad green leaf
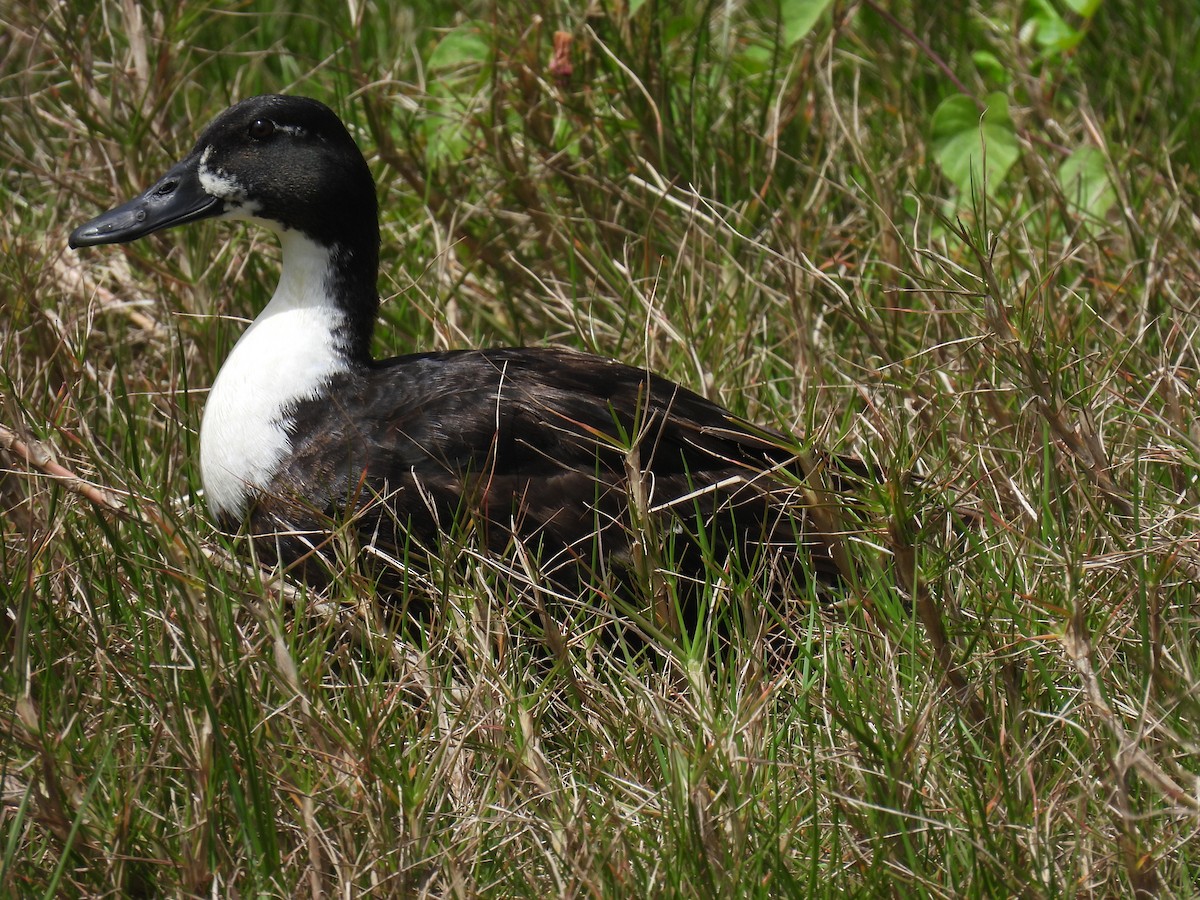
x,y
1085,183
1084,8
448,130
754,59
799,17
974,149
1050,31
465,45
461,61
990,67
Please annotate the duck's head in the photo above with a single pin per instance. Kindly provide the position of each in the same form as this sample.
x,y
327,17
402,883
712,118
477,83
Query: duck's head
x,y
287,162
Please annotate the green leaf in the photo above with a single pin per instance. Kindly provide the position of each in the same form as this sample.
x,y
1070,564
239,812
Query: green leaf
x,y
799,17
1050,31
974,150
462,62
465,45
754,59
1084,8
1085,183
448,131
990,67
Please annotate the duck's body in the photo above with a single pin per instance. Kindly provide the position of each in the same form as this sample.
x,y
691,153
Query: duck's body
x,y
547,446
540,444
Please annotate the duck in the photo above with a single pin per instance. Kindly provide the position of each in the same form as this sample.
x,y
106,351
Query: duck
x,y
565,455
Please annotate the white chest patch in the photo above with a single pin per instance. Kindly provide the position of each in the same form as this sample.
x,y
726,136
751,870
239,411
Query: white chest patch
x,y
287,355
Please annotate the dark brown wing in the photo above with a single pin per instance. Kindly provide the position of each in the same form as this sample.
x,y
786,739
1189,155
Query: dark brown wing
x,y
549,446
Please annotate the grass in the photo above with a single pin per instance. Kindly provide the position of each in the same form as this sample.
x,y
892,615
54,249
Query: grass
x,y
1007,708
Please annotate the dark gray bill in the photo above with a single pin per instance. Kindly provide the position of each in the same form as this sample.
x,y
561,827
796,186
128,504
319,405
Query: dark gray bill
x,y
175,199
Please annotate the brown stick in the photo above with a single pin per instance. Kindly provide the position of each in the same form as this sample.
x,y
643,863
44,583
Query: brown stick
x,y
40,457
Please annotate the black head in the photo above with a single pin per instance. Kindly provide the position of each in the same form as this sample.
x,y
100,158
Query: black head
x,y
287,161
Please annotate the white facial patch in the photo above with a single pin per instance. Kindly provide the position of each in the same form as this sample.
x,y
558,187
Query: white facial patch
x,y
219,183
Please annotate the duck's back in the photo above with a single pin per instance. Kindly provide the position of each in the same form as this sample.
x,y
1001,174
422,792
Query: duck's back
x,y
560,450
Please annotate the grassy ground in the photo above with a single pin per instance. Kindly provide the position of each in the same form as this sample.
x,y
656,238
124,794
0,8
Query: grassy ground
x,y
784,218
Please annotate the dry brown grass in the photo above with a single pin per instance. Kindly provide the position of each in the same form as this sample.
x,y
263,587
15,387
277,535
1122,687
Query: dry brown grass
x,y
1008,708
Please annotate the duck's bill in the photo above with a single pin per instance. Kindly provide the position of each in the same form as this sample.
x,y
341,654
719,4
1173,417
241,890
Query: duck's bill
x,y
177,198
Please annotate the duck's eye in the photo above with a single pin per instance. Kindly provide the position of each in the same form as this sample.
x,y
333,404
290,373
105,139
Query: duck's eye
x,y
261,129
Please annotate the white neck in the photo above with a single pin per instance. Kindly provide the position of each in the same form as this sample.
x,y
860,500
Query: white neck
x,y
288,354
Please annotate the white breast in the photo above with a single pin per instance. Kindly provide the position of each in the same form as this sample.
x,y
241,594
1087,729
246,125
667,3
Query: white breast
x,y
287,355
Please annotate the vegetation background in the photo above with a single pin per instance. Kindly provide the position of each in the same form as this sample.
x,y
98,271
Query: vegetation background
x,y
958,240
